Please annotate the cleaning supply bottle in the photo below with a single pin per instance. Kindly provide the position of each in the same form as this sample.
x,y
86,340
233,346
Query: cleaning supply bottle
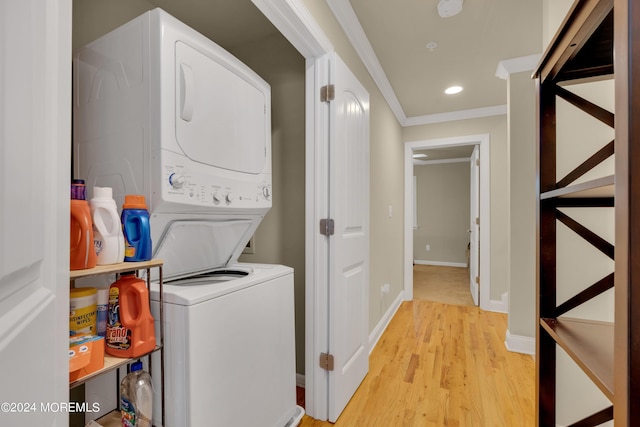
x,y
102,310
107,229
82,253
135,225
136,397
130,328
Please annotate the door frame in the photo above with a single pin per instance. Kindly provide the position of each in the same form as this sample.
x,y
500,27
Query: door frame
x,y
299,27
484,141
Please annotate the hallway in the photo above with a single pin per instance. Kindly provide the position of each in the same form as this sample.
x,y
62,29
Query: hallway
x,y
442,365
448,285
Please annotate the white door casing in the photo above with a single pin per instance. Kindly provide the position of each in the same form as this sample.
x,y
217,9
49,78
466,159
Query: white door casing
x,y
349,245
474,226
35,155
483,140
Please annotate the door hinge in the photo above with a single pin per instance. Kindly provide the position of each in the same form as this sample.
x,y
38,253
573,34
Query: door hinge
x,y
326,227
477,221
478,280
477,162
327,93
326,361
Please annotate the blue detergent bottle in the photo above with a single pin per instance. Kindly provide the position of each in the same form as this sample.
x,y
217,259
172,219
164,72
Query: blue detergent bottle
x,y
136,230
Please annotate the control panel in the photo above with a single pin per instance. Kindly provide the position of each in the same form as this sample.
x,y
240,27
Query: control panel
x,y
186,182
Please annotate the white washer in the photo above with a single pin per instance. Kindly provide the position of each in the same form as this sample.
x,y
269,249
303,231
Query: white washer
x,y
229,356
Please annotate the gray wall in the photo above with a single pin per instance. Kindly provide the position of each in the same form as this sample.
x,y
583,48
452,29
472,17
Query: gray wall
x,y
443,212
522,204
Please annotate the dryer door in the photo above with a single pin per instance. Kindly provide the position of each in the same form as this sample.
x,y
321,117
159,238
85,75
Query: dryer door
x,y
221,115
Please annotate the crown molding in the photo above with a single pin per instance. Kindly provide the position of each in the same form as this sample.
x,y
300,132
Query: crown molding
x,y
507,67
475,113
348,20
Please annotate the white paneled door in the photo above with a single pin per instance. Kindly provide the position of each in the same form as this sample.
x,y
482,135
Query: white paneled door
x,y
349,245
35,152
474,226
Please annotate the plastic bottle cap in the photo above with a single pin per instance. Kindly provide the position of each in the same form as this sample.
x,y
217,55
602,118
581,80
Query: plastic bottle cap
x,y
136,366
78,190
134,201
102,193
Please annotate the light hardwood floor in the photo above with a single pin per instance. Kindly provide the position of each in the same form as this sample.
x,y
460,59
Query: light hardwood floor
x,y
449,285
442,365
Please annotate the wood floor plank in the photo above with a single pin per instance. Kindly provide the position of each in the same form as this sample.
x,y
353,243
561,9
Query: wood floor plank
x,y
442,365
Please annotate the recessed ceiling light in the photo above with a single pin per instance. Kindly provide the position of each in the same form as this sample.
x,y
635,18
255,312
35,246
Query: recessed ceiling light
x,y
420,156
431,46
453,89
448,8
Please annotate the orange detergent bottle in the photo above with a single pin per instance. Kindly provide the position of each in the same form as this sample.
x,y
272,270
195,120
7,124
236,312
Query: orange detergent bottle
x,y
130,329
82,252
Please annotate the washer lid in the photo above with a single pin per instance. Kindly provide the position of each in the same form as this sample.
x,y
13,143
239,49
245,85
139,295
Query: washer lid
x,y
193,246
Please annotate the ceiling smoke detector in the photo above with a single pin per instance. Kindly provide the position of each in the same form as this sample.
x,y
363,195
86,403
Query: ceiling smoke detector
x,y
448,8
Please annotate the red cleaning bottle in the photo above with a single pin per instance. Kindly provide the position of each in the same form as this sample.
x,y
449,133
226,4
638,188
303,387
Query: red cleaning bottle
x,y
82,253
130,329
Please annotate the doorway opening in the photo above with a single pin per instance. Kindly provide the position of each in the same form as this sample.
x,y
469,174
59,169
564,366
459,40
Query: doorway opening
x,y
445,249
483,141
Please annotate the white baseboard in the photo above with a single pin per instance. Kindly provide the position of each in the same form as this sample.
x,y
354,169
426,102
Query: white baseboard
x,y
501,306
384,322
300,380
520,344
441,263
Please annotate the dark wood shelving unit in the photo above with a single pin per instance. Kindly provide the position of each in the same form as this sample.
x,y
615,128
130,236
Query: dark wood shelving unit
x,y
598,39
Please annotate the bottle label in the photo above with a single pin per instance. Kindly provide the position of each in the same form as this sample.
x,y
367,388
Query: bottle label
x,y
101,319
82,320
129,250
127,413
98,241
118,337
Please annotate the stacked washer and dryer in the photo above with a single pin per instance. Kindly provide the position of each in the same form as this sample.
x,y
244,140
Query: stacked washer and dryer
x,y
162,111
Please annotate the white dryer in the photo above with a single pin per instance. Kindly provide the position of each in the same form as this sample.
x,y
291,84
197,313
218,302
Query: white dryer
x,y
162,111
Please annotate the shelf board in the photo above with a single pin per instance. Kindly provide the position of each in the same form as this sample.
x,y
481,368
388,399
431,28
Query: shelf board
x,y
115,268
110,363
590,345
582,46
596,188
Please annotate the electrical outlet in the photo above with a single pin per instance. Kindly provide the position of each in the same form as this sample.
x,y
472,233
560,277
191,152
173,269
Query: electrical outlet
x,y
428,247
384,289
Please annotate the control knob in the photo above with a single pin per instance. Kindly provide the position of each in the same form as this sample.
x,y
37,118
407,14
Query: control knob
x,y
229,197
266,192
177,180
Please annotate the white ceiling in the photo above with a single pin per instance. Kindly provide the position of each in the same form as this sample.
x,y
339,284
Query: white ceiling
x,y
470,47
